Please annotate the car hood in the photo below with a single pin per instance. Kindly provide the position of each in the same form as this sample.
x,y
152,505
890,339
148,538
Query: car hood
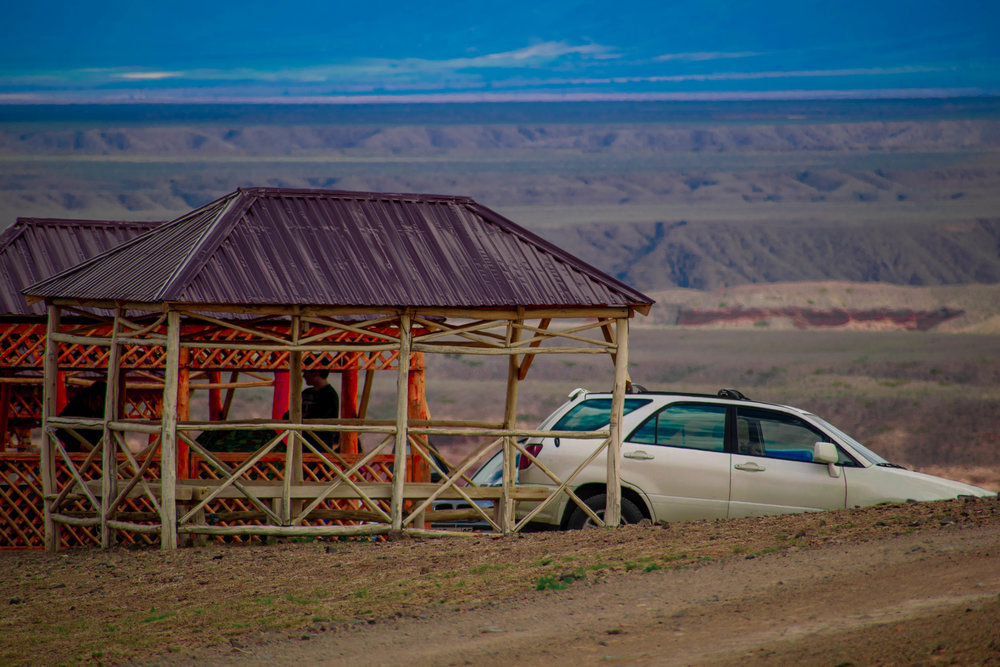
x,y
921,486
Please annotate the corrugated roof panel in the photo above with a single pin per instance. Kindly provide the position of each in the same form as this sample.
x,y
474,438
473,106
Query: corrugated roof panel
x,y
139,270
34,249
316,247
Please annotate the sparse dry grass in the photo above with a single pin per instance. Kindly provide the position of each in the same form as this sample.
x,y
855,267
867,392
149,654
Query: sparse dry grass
x,y
120,606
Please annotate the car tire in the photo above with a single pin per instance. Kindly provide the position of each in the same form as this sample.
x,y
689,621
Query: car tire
x,y
579,519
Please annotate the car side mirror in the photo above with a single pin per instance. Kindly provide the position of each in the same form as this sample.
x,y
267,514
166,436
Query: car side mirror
x,y
826,452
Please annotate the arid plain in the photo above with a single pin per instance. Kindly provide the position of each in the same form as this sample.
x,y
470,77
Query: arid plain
x,y
871,213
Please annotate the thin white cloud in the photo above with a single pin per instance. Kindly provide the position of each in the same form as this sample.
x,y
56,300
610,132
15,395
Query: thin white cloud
x,y
147,76
544,51
727,76
373,70
705,55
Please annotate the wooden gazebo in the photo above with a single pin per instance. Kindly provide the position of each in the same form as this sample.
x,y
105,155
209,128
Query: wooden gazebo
x,y
295,279
31,250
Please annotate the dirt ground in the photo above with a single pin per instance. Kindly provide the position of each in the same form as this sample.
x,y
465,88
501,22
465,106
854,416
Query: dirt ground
x,y
916,583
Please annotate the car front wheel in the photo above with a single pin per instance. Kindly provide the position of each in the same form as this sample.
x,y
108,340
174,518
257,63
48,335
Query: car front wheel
x,y
580,519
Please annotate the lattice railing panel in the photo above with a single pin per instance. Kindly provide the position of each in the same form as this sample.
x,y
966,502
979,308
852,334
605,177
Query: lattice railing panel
x,y
143,404
21,520
25,402
144,356
22,345
21,507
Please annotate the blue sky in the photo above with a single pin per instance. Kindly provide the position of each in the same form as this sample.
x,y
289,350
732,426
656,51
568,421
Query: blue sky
x,y
469,51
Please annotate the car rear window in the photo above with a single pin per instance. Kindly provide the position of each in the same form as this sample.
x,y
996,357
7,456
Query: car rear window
x,y
690,426
594,413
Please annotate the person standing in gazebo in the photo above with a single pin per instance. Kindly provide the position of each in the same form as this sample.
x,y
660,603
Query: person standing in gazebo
x,y
320,401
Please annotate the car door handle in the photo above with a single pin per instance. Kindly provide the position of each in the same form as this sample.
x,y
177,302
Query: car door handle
x,y
638,455
750,467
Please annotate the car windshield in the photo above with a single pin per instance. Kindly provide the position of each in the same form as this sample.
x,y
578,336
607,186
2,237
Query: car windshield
x,y
594,413
857,446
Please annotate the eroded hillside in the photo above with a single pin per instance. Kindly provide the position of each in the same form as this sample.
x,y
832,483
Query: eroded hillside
x,y
661,196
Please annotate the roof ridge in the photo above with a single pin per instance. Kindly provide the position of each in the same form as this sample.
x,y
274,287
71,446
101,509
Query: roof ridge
x,y
197,257
87,221
265,191
11,234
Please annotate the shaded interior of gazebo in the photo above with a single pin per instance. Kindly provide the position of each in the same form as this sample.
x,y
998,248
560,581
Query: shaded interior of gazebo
x,y
262,284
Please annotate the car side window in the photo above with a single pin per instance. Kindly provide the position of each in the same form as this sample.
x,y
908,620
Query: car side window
x,y
689,426
775,435
594,413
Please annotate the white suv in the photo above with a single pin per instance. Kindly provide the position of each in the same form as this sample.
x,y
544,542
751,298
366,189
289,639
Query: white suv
x,y
698,456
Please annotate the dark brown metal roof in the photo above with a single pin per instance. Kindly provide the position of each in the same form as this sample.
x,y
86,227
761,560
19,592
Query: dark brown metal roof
x,y
276,246
33,249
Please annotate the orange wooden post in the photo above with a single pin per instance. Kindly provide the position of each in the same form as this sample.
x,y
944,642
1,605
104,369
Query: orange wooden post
x,y
279,400
349,408
183,414
416,400
215,397
61,398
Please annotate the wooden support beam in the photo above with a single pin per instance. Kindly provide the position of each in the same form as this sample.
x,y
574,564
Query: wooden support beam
x,y
417,409
612,511
109,447
183,411
506,507
227,405
214,396
399,467
293,446
168,438
522,372
366,394
49,410
349,406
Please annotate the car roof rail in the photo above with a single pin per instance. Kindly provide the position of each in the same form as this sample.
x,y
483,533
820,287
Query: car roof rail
x,y
576,392
633,388
734,394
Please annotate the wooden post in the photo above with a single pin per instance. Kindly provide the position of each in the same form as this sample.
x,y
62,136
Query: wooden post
x,y
183,411
506,506
279,399
417,408
215,397
293,445
168,436
399,468
61,398
613,508
349,406
49,409
109,446
230,394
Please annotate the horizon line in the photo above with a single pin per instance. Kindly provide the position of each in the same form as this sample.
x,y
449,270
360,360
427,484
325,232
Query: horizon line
x,y
14,99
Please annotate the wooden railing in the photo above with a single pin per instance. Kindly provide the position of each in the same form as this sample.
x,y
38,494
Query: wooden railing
x,y
22,507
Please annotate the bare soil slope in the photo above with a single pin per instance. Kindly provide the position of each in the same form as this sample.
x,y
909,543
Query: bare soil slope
x,y
896,584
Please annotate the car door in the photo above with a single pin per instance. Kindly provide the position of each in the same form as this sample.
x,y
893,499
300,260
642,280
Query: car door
x,y
772,467
677,458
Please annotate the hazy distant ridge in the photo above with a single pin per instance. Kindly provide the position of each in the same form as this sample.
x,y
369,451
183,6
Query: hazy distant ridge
x,y
896,192
273,140
713,255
